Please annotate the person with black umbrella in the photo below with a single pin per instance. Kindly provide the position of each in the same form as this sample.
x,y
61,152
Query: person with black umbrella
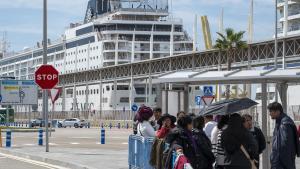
x,y
166,123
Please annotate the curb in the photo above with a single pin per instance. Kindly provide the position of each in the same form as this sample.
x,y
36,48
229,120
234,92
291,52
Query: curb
x,y
46,160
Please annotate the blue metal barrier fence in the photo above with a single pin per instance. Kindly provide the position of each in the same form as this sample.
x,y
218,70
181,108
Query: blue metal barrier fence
x,y
139,149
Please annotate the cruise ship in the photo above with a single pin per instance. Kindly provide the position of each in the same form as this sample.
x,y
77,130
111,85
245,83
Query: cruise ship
x,y
293,17
113,32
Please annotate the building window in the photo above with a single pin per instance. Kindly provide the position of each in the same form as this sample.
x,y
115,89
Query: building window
x,y
140,99
124,100
105,100
122,87
140,90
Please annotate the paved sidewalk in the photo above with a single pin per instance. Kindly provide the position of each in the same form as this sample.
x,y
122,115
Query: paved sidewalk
x,y
74,158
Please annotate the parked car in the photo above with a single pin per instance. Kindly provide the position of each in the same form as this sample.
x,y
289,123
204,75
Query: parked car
x,y
74,122
39,123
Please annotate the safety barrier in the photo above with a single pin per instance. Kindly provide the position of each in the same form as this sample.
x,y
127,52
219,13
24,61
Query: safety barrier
x,y
139,149
15,124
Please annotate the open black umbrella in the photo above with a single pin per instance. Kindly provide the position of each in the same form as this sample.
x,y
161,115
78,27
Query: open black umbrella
x,y
230,106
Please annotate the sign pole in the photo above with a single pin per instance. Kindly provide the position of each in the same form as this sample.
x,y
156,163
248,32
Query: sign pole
x,y
29,116
7,116
45,93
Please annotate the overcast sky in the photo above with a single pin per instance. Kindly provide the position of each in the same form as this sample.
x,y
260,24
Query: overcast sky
x,y
22,19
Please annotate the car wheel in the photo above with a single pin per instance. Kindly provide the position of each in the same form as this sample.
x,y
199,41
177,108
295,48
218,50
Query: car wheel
x,y
59,125
76,125
81,126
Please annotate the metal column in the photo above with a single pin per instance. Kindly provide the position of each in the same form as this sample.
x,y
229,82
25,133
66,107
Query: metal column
x,y
265,156
282,89
186,98
45,92
159,95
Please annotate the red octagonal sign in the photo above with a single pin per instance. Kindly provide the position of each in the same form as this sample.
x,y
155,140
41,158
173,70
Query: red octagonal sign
x,y
46,77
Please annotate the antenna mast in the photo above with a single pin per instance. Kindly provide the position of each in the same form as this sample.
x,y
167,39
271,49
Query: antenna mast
x,y
250,23
221,21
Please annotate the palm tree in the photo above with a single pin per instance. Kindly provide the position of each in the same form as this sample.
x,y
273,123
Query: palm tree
x,y
228,42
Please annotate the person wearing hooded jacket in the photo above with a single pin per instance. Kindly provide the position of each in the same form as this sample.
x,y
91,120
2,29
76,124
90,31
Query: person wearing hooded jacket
x,y
182,140
207,158
233,138
285,145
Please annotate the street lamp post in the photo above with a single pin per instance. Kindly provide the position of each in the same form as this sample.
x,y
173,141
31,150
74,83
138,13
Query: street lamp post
x,y
45,93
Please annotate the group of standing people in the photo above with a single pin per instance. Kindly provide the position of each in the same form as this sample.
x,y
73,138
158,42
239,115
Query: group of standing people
x,y
220,142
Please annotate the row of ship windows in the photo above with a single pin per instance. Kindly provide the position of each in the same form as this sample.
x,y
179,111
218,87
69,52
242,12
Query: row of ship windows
x,y
81,69
83,51
81,60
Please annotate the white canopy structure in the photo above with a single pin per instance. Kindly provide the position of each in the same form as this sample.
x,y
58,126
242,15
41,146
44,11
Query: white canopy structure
x,y
278,76
231,77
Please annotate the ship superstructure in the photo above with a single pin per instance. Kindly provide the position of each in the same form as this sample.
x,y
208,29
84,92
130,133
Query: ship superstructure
x,y
113,32
292,19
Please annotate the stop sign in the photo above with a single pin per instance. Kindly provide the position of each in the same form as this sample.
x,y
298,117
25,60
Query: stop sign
x,y
46,77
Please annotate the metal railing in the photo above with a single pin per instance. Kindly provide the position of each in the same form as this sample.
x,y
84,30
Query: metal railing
x,y
139,149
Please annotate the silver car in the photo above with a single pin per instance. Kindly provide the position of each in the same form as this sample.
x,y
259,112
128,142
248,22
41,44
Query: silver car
x,y
74,122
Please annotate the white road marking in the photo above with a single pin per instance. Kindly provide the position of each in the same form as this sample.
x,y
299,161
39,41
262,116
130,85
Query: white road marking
x,y
125,143
29,144
53,144
81,137
37,163
74,143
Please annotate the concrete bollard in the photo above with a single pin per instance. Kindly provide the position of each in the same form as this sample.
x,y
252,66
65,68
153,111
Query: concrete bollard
x,y
40,137
102,136
8,138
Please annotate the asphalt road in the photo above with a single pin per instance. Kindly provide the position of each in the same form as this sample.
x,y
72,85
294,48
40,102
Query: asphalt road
x,y
13,162
75,138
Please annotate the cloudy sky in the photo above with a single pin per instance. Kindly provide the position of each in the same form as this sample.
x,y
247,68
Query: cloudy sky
x,y
22,19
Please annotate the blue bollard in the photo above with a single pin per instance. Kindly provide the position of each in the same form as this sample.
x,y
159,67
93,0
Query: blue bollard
x,y
8,138
89,125
102,136
127,126
41,137
110,125
119,125
102,126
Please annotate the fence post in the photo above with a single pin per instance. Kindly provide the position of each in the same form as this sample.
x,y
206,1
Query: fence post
x,y
102,136
8,138
40,137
